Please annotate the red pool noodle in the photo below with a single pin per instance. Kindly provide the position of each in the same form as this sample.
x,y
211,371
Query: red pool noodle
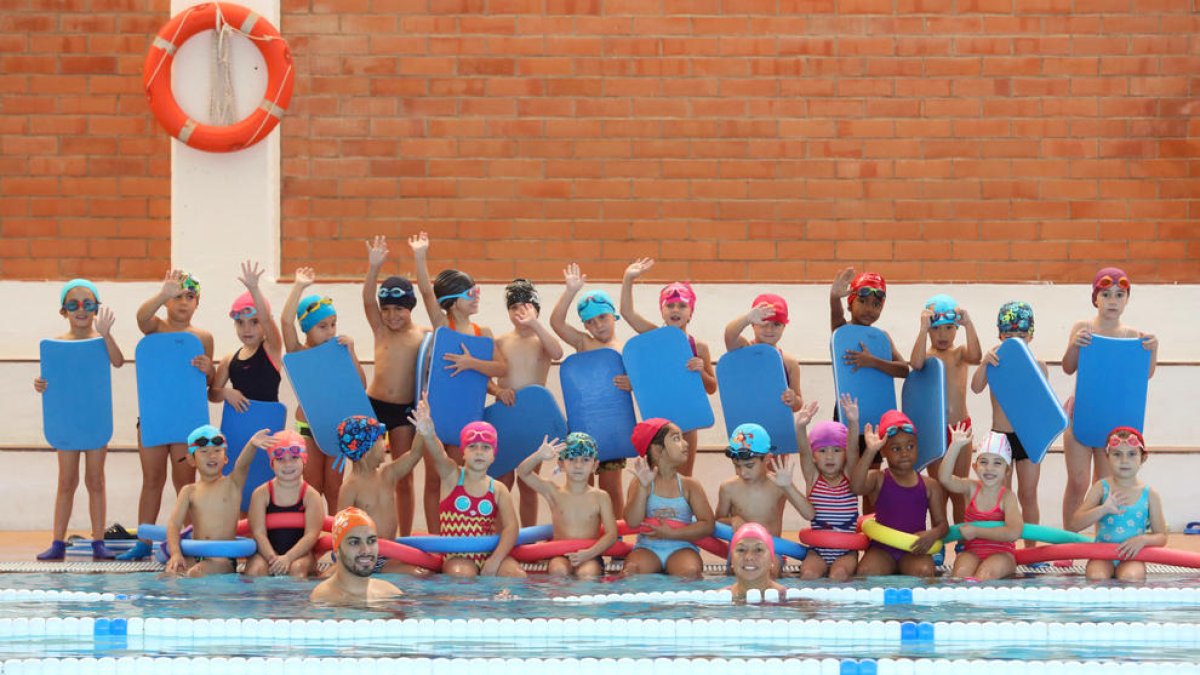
x,y
392,550
851,541
1101,551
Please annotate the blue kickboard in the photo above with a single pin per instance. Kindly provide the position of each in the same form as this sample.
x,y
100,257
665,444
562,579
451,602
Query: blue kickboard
x,y
456,401
77,412
594,404
421,377
1110,389
874,389
239,428
328,388
656,362
172,393
522,426
751,382
924,401
1026,398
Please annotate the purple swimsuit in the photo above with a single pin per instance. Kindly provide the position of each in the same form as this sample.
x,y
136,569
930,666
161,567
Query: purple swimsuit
x,y
900,508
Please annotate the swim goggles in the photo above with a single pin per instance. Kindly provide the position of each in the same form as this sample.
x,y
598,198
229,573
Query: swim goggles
x,y
396,292
897,428
471,293
867,291
939,318
1132,441
472,435
742,453
1107,281
202,442
281,451
314,307
244,313
595,299
88,305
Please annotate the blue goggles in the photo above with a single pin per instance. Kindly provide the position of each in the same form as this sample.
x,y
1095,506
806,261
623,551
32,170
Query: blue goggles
x,y
471,293
397,292
88,305
895,429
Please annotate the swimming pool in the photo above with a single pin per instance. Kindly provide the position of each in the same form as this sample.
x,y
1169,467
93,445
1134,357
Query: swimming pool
x,y
132,622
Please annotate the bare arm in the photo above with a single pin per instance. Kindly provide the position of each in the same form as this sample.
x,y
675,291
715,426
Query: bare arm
x,y
639,491
701,511
783,479
260,440
1158,522
272,338
558,317
897,367
547,452
973,353
183,504
708,374
808,466
147,322
979,381
217,391
314,522
864,481
1014,524
1081,335
609,522
724,512
507,530
376,253
404,464
850,407
917,360
733,333
445,467
839,289
420,247
939,526
104,323
496,367
348,342
1090,510
636,321
960,438
287,320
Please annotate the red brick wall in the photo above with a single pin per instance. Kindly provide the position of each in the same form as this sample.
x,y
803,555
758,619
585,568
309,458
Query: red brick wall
x,y
84,171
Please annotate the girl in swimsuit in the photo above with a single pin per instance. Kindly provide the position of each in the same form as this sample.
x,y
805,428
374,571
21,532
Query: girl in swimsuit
x,y
988,552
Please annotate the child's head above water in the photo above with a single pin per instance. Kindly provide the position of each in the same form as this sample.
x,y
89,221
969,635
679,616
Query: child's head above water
x,y
453,286
677,301
868,291
1015,320
357,435
828,442
318,319
598,314
1112,285
899,440
993,458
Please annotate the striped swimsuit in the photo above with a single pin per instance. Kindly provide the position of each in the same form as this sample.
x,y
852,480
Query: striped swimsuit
x,y
836,509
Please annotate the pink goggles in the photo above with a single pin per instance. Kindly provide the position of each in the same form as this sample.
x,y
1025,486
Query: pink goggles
x,y
284,451
1133,440
477,432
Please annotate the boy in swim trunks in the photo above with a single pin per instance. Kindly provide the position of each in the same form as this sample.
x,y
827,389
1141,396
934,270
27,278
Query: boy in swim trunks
x,y
902,499
370,484
212,503
1015,321
318,322
180,294
578,510
357,546
599,316
529,348
472,503
768,317
939,325
285,550
397,341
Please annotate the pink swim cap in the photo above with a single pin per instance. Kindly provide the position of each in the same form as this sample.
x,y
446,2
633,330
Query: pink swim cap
x,y
246,301
477,432
828,434
679,291
754,531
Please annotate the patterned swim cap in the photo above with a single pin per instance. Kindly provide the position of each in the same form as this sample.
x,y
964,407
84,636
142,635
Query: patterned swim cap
x,y
356,435
1015,316
579,444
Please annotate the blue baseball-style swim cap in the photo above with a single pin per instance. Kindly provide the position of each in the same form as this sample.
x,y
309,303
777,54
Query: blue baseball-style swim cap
x,y
312,310
594,304
945,310
78,283
749,440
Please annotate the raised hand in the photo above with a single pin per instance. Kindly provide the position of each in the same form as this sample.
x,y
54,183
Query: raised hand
x,y
642,470
573,278
105,320
420,417
807,413
841,283
850,410
874,442
377,251
172,284
524,315
638,267
961,435
548,451
251,273
305,277
262,439
926,318
758,315
779,467
419,243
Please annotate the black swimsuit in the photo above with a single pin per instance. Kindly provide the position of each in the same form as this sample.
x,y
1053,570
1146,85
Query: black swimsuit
x,y
256,377
284,538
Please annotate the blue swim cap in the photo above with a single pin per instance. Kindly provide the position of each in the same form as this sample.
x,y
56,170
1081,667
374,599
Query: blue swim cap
x,y
312,310
595,303
208,432
78,283
945,311
749,440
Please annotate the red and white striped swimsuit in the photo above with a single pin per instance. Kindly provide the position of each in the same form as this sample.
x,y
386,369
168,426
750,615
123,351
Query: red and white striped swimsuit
x,y
983,548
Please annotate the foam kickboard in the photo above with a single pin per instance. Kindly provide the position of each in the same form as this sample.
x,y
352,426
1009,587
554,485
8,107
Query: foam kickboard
x,y
422,374
1026,398
752,380
77,411
239,427
456,400
329,389
172,393
924,401
534,415
656,362
1110,389
594,404
874,389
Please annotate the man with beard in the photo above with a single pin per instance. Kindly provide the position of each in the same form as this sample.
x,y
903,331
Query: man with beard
x,y
356,544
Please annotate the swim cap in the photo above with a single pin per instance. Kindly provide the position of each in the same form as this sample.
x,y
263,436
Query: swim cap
x,y
828,434
448,286
748,440
579,444
479,432
1109,276
1015,316
1131,433
288,439
894,419
868,280
209,433
397,291
997,444
679,291
190,283
780,305
347,519
945,311
356,436
754,531
312,310
595,303
242,306
644,433
520,292
78,283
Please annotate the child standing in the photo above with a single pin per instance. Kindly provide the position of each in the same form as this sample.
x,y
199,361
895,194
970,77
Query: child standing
x,y
578,510
1014,321
756,494
318,322
388,307
988,552
768,317
471,502
865,295
827,452
676,302
253,369
1124,510
529,349
1110,296
211,504
285,550
939,325
902,499
659,492
180,294
79,304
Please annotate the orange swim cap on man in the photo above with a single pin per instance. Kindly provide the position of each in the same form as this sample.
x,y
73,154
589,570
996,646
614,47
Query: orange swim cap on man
x,y
347,519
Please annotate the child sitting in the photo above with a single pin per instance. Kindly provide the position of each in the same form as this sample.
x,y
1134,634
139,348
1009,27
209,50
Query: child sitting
x,y
827,452
285,550
902,499
988,552
1124,510
659,492
578,510
768,318
762,485
212,503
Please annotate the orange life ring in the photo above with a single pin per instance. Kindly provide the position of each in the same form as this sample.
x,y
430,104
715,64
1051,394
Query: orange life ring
x,y
156,77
